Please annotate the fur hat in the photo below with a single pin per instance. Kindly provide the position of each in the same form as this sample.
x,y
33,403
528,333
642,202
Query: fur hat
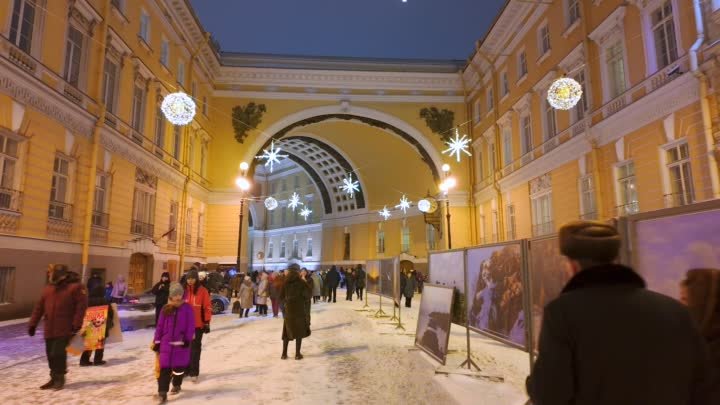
x,y
589,240
176,290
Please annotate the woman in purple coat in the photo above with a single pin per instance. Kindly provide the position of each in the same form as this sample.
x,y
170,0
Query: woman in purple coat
x,y
173,335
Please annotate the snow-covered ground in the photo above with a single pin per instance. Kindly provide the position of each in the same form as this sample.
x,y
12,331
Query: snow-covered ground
x,y
351,358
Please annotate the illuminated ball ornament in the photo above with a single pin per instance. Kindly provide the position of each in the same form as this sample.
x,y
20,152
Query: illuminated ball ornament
x,y
427,205
564,93
178,108
271,203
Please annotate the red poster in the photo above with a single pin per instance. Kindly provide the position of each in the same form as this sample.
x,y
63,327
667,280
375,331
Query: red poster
x,y
94,326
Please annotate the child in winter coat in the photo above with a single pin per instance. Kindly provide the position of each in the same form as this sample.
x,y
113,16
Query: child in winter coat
x,y
174,333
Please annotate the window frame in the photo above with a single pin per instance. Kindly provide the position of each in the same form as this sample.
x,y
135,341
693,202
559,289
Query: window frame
x,y
651,54
587,192
544,41
71,48
623,183
522,65
144,29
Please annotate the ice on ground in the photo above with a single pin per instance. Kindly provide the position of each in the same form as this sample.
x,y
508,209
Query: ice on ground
x,y
351,358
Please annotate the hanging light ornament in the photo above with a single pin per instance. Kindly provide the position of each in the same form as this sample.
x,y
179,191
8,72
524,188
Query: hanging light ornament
x,y
457,145
178,108
564,93
305,212
349,186
385,213
404,204
271,203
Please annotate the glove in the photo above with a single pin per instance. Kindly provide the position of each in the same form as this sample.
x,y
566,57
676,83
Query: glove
x,y
156,348
31,330
186,344
206,329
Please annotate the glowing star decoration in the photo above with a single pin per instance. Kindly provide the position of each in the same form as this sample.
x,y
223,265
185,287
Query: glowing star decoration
x,y
458,145
384,213
294,201
564,93
404,204
271,155
305,212
178,108
271,203
349,186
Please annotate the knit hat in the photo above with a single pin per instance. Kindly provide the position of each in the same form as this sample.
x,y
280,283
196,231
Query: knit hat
x,y
192,274
589,240
176,290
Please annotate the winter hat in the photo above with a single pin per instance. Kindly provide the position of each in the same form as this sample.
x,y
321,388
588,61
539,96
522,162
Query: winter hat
x,y
176,290
192,274
165,274
589,240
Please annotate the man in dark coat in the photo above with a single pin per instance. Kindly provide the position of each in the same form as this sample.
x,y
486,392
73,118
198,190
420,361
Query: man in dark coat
x,y
62,306
350,284
161,290
94,281
359,281
333,280
608,340
296,320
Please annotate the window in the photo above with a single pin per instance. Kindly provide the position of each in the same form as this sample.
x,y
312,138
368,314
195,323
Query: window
x,y
550,124
100,204
177,140
282,248
681,185
110,83
138,108
587,198
573,11
272,218
165,52
193,90
309,251
9,197
73,55
283,185
582,106
144,26
201,229
380,241
493,164
510,222
476,111
159,129
296,182
544,40
22,24
481,169
542,217
507,146
295,248
143,214
188,227
203,158
431,237
495,225
118,4
405,239
7,284
172,222
59,191
181,73
526,134
273,187
205,106
505,85
663,28
191,153
522,65
616,69
627,193
490,100
270,249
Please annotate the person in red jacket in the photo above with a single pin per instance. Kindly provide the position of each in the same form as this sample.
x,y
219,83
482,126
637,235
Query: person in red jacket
x,y
62,306
199,299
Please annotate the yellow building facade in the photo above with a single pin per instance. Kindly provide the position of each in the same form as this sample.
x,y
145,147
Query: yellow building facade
x,y
93,175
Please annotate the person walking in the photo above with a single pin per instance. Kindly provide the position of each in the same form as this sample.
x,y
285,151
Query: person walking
x,y
247,291
608,340
350,284
94,281
263,293
360,276
333,279
62,307
161,290
407,286
96,298
420,278
296,325
199,299
119,290
700,292
173,337
325,288
276,284
317,286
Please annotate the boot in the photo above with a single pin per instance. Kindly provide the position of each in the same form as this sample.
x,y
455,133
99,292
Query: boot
x,y
59,382
175,390
48,384
163,397
284,353
298,344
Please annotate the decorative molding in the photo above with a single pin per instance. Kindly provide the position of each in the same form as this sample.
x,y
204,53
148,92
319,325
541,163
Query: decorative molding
x,y
522,106
506,119
44,245
540,184
611,26
334,97
116,42
543,84
620,149
573,60
521,35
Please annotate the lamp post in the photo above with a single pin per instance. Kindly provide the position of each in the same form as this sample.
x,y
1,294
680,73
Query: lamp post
x,y
448,183
243,184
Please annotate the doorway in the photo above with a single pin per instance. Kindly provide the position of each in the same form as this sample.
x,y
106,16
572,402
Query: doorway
x,y
139,273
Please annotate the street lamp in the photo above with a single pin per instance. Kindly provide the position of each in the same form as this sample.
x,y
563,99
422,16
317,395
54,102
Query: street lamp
x,y
448,183
243,183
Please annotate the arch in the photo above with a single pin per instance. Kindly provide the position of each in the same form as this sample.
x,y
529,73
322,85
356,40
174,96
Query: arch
x,y
364,115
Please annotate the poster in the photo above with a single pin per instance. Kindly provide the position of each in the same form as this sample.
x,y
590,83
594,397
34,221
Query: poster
x,y
495,292
372,275
388,278
548,275
94,326
447,269
664,249
433,327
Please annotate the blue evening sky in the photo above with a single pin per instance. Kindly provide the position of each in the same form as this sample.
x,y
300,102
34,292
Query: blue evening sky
x,y
416,29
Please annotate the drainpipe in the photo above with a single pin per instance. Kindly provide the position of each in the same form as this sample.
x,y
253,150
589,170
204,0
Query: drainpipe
x,y
90,197
468,111
704,104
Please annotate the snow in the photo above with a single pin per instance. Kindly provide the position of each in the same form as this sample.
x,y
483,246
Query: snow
x,y
124,314
350,358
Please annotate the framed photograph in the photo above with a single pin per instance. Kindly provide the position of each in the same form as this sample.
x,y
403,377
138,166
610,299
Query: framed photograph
x,y
388,278
447,269
433,327
496,292
372,276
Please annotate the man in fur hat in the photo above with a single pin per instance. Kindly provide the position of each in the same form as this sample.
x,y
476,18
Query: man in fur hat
x,y
607,340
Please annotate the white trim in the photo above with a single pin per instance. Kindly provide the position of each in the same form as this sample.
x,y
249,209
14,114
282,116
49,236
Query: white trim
x,y
646,7
44,245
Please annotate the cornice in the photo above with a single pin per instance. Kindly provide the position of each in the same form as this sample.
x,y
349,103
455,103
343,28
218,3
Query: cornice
x,y
574,59
367,98
194,32
611,25
523,104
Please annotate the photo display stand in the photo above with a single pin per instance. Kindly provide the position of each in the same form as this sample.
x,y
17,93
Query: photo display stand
x,y
396,296
468,360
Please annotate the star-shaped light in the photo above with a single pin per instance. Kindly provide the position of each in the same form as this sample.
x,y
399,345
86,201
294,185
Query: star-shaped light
x,y
349,186
305,212
384,213
271,155
458,145
404,204
294,201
